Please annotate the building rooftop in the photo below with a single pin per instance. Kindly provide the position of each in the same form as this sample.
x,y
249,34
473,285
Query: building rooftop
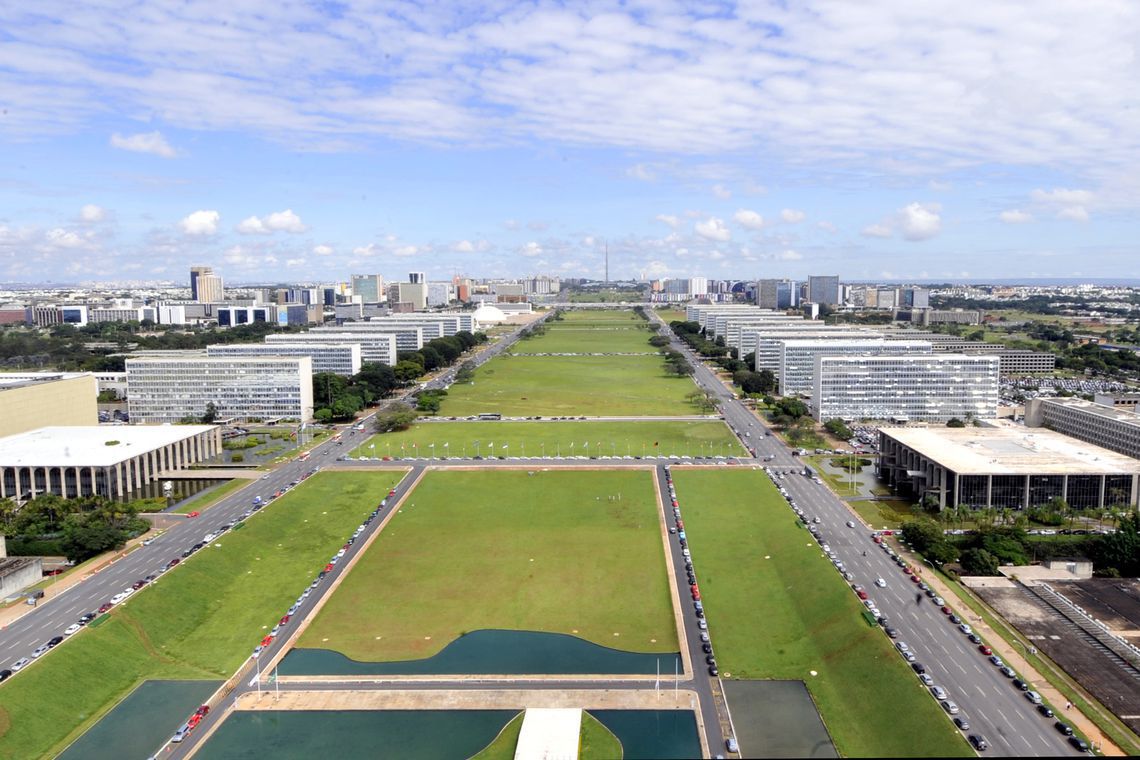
x,y
89,445
1109,412
1012,450
23,379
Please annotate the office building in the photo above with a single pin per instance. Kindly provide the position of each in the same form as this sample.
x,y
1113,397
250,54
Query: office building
x,y
205,286
30,400
1017,362
375,347
797,357
922,387
241,388
231,316
418,278
1126,401
439,293
926,317
370,287
823,290
414,293
1109,427
766,341
338,358
1004,467
914,298
776,294
113,462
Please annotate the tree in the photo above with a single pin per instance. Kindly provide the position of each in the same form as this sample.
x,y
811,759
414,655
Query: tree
x,y
397,420
465,373
1120,550
85,536
377,379
327,387
211,413
979,562
345,407
922,534
954,422
790,407
407,371
838,428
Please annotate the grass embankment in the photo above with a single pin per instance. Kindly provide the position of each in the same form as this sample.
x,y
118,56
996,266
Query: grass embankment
x,y
588,339
697,438
199,621
777,609
596,743
671,315
210,497
510,550
578,385
883,514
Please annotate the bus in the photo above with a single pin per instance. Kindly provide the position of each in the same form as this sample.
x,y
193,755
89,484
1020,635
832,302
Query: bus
x,y
304,457
490,416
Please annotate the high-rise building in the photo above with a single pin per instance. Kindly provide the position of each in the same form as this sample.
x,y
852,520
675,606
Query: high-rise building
x,y
205,286
823,289
414,293
797,357
370,287
417,278
776,294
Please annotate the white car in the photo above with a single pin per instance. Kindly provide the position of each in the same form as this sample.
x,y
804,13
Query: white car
x,y
71,629
19,664
880,583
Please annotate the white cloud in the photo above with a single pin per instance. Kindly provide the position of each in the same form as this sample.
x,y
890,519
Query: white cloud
x,y
91,214
404,251
511,224
748,219
531,249
792,216
722,192
201,223
1015,216
919,222
668,219
641,172
790,255
1075,213
278,221
323,250
827,226
366,251
713,229
877,231
61,238
1060,196
144,142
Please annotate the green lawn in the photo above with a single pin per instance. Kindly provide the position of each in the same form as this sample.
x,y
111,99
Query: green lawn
x,y
599,317
511,550
597,741
554,438
211,497
563,385
883,514
588,339
199,621
671,315
777,609
503,747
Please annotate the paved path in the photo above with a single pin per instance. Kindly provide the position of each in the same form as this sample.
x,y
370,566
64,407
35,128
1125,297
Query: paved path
x,y
466,699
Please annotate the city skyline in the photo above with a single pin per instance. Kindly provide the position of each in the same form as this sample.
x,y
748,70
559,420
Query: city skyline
x,y
309,142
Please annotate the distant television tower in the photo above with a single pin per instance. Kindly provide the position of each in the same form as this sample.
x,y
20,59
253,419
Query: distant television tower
x,y
607,262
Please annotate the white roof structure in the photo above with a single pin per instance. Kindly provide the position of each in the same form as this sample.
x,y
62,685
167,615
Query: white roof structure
x,y
489,315
88,446
1012,451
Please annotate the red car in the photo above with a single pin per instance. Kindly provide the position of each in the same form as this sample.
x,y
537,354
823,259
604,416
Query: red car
x,y
203,710
915,579
696,595
329,568
285,619
392,493
680,525
946,609
105,608
985,650
195,719
862,594
876,539
267,640
195,513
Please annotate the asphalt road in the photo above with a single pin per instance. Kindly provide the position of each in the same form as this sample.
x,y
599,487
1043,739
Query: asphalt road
x,y
994,708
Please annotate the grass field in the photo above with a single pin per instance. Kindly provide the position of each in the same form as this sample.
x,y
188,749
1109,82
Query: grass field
x,y
605,317
777,609
555,438
596,743
563,385
511,550
883,514
211,497
585,340
671,315
199,621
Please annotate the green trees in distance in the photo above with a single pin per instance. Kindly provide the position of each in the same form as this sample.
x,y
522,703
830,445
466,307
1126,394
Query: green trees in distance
x,y
79,528
954,422
928,540
838,428
1120,551
677,364
390,422
760,383
787,410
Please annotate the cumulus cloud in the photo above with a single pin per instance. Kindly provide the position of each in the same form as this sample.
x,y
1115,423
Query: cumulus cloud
x,y
201,223
668,219
1061,196
792,216
366,251
1075,213
790,255
91,214
1015,216
827,226
144,142
531,249
722,192
323,250
278,221
919,222
748,219
61,238
467,246
713,229
877,231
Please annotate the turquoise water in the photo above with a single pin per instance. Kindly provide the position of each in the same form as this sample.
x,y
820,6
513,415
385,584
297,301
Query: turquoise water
x,y
146,718
490,652
652,734
353,735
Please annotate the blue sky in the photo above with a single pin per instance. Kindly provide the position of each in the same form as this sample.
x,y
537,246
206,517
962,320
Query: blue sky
x,y
292,141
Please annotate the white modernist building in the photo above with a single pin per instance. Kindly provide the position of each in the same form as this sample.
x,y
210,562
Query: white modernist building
x,y
797,357
923,387
407,337
765,341
172,388
375,347
338,358
98,460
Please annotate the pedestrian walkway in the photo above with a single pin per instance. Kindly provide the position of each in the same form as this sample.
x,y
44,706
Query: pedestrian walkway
x,y
549,733
383,698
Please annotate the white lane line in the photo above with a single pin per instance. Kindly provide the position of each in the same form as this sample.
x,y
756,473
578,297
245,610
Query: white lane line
x,y
959,666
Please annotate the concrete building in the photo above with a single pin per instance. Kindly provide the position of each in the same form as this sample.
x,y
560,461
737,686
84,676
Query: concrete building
x,y
17,573
926,317
31,400
230,316
417,277
764,341
1004,467
338,358
370,287
1110,427
247,388
205,286
797,357
106,461
1128,401
439,293
924,387
407,337
1016,362
776,294
414,293
378,347
823,289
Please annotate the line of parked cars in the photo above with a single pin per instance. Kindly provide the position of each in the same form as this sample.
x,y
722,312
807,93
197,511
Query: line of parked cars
x,y
694,589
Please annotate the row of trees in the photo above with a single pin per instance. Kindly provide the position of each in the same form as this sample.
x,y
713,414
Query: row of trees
x,y
76,528
339,398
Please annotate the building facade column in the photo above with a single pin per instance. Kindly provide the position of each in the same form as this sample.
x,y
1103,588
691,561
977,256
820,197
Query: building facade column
x,y
136,466
94,482
1100,499
1025,494
989,491
3,482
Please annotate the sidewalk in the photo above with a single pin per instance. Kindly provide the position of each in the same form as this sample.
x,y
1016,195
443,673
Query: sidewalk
x,y
1016,660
